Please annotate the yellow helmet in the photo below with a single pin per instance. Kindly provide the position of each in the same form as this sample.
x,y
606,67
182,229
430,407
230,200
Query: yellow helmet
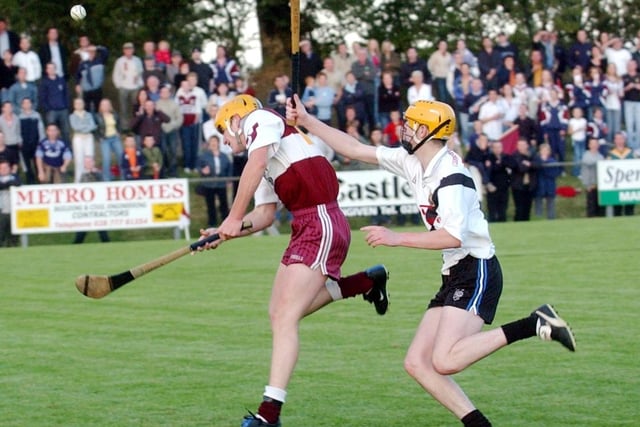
x,y
240,105
435,115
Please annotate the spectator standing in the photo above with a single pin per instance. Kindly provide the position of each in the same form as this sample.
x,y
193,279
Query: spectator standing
x,y
32,131
173,67
204,73
489,60
419,90
10,128
22,89
523,181
80,54
152,154
82,142
553,124
169,136
505,47
412,63
620,151
460,86
192,100
242,86
9,155
90,174
342,61
392,132
389,98
152,68
163,56
578,91
132,160
631,105
28,59
491,114
9,40
55,52
278,95
52,157
310,63
225,69
7,73
127,79
528,128
390,61
7,180
365,73
614,93
589,177
510,106
352,96
149,122
577,130
478,157
108,133
619,55
90,77
152,86
325,98
579,52
215,164
500,178
439,64
546,186
507,71
54,99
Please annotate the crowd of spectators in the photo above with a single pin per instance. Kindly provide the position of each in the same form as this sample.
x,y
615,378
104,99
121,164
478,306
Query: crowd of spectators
x,y
56,112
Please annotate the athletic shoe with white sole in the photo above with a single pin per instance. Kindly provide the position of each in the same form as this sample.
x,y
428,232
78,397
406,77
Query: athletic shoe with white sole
x,y
378,294
551,327
253,421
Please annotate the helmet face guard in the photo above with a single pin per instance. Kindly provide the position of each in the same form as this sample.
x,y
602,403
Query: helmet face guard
x,y
438,117
240,105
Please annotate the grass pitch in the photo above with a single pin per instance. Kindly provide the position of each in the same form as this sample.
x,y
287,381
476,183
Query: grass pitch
x,y
189,345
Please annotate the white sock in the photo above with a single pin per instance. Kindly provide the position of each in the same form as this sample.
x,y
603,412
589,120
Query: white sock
x,y
275,393
334,289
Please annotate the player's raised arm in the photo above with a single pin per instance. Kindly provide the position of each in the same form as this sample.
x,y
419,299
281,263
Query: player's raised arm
x,y
340,142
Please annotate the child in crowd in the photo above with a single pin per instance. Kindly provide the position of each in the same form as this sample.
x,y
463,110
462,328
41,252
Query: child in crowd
x,y
132,159
577,129
547,176
393,129
152,158
588,176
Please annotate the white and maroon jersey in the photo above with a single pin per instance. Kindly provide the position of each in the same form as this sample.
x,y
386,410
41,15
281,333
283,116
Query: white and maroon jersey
x,y
446,197
297,172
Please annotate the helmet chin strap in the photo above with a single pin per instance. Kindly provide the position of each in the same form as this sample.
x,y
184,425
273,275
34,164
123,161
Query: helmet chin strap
x,y
407,145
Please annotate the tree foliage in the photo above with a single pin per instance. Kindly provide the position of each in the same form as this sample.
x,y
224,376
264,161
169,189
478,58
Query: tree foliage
x,y
420,23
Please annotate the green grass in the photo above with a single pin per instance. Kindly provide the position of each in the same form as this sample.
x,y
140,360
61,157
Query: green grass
x,y
189,345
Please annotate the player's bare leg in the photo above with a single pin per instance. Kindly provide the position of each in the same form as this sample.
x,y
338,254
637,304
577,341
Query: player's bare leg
x,y
419,364
294,289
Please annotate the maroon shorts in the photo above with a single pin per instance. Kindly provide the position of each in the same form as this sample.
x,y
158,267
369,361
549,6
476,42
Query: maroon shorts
x,y
320,238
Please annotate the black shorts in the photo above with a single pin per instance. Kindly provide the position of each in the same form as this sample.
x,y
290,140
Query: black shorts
x,y
473,285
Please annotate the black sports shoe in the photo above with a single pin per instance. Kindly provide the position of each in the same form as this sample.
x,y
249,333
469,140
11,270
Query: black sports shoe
x,y
252,421
378,294
551,327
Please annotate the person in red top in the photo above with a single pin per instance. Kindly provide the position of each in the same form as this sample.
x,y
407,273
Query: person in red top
x,y
285,167
393,130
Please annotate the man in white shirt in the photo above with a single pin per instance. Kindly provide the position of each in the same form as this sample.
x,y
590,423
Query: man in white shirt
x,y
491,114
450,336
29,60
127,78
